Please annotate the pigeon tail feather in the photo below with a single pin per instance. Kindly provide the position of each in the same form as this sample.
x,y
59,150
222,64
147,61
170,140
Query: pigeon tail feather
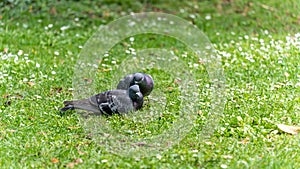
x,y
67,107
83,104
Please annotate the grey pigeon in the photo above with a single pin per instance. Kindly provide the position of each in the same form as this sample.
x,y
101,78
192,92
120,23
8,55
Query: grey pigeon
x,y
109,102
144,81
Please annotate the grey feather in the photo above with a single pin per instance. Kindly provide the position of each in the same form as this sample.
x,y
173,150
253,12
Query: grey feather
x,y
144,81
109,102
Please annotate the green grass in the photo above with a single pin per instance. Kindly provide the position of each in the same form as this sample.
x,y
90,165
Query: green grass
x,y
260,64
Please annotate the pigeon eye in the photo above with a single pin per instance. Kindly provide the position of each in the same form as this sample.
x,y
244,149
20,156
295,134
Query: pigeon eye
x,y
138,77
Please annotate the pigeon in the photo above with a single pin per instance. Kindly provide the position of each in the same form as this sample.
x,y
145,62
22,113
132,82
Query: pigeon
x,y
144,81
109,102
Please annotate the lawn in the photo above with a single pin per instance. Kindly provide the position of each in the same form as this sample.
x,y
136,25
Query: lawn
x,y
259,47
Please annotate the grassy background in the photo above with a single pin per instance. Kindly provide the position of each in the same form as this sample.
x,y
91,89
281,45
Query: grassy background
x,y
259,45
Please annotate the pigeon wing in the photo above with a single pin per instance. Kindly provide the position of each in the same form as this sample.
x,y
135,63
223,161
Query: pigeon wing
x,y
123,103
112,102
125,82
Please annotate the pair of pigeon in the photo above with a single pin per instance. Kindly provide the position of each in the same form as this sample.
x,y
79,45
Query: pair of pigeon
x,y
128,97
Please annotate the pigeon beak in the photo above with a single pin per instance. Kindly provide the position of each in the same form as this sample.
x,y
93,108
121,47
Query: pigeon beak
x,y
139,95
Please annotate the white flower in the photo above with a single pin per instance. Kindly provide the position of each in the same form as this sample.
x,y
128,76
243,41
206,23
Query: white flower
x,y
208,17
158,156
25,25
104,161
131,23
195,151
16,59
64,28
223,166
266,32
20,52
192,16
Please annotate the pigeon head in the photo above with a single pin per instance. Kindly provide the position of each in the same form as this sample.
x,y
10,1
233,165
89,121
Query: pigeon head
x,y
138,78
136,96
144,81
134,92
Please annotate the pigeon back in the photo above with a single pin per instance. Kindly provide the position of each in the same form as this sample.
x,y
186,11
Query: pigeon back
x,y
124,83
113,102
